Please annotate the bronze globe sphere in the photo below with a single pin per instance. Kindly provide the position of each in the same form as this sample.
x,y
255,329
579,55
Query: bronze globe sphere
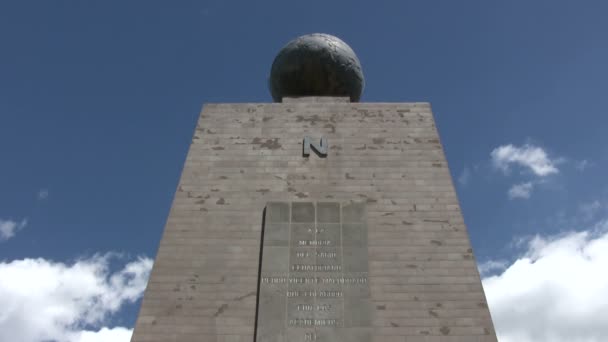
x,y
316,65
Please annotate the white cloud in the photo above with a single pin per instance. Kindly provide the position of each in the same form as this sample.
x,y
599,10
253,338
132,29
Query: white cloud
x,y
528,156
465,176
44,300
43,194
556,292
104,335
9,228
522,190
490,266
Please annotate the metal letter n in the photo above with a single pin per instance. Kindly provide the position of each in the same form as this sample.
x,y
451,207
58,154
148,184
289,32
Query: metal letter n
x,y
320,149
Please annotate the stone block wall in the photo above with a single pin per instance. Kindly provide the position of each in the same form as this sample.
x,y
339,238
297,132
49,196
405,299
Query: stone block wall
x,y
423,278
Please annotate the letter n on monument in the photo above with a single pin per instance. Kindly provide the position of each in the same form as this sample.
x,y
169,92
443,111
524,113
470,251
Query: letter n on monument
x,y
319,148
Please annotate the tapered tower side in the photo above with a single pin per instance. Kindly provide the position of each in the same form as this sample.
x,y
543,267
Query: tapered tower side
x,y
422,278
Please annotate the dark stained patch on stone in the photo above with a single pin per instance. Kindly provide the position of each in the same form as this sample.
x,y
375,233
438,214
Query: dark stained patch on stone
x,y
220,310
407,223
412,266
433,313
366,114
263,191
245,296
271,144
220,201
223,177
378,140
445,330
393,324
381,307
348,176
330,126
217,148
437,165
371,200
301,195
361,148
313,119
436,221
436,242
266,118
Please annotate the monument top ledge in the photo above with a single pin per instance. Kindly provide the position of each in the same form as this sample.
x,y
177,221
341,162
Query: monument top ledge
x,y
316,65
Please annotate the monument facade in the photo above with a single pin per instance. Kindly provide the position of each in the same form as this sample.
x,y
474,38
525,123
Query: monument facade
x,y
316,218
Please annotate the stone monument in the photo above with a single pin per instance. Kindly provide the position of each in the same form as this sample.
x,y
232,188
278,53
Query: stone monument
x,y
315,218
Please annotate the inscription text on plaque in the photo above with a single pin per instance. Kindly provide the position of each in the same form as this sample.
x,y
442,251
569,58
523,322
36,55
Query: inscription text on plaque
x,y
314,274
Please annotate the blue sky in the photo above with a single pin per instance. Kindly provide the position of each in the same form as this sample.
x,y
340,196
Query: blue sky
x,y
98,103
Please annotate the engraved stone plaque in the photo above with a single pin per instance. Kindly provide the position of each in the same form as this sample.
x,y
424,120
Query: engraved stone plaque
x,y
314,273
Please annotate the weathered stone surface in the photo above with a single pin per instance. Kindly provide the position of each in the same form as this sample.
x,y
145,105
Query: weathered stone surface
x,y
422,278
